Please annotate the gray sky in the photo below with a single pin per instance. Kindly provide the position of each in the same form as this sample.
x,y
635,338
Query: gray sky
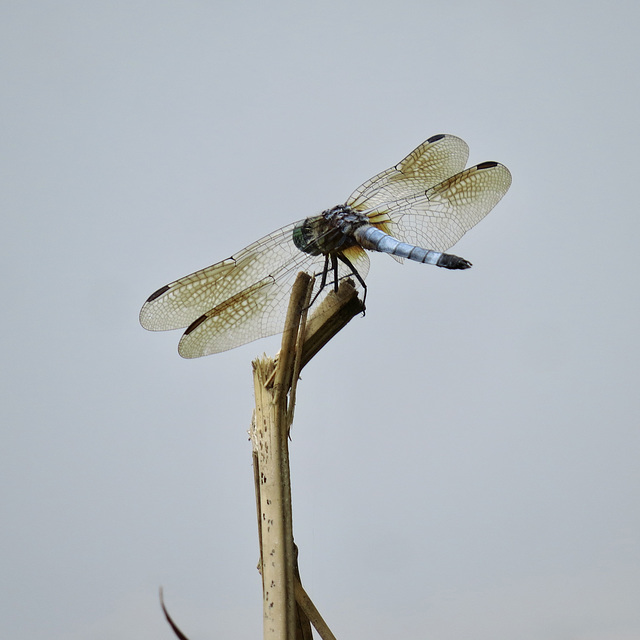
x,y
464,458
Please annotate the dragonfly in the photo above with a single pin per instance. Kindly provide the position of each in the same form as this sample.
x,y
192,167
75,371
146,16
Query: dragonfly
x,y
417,209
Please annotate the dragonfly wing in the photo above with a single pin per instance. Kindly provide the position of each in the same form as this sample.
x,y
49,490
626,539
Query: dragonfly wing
x,y
246,316
178,304
260,309
433,161
439,217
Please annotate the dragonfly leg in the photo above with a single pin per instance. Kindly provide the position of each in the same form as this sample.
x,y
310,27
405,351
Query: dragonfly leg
x,y
325,271
334,268
354,272
323,281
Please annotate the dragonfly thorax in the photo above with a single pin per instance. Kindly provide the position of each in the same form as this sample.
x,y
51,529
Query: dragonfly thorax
x,y
330,232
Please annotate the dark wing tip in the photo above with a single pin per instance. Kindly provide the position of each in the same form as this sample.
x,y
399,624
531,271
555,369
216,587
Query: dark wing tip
x,y
196,323
435,138
487,165
158,293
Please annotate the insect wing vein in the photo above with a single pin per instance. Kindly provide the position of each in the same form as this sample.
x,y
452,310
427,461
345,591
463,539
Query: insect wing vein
x,y
438,218
190,297
433,161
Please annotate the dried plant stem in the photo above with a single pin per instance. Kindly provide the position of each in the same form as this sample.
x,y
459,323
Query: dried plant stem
x,y
274,387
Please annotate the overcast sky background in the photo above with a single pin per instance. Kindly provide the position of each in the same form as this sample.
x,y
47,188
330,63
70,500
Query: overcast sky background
x,y
464,458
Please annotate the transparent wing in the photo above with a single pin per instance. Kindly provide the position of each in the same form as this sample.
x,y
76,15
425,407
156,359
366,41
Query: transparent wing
x,y
239,299
178,304
432,162
260,309
439,217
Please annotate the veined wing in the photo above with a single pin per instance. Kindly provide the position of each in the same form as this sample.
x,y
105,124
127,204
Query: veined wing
x,y
435,160
239,299
178,304
260,309
439,217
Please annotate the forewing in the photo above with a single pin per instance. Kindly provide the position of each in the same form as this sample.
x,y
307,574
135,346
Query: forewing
x,y
178,304
433,161
260,309
438,218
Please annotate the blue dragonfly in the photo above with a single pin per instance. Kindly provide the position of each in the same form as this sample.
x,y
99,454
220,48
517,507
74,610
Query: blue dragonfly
x,y
417,209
